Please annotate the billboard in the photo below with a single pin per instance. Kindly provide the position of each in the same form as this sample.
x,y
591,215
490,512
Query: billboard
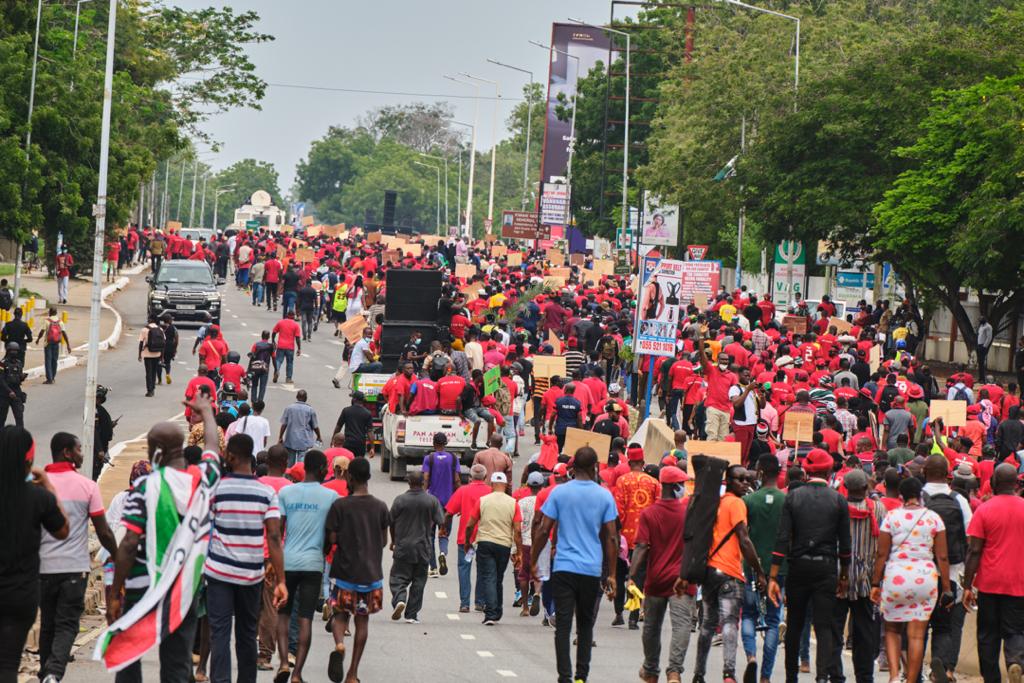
x,y
659,306
661,222
519,225
700,277
554,203
590,45
790,262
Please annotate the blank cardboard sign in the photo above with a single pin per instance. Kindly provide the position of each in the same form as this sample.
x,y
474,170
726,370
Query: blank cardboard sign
x,y
727,450
659,439
549,366
799,427
578,438
953,413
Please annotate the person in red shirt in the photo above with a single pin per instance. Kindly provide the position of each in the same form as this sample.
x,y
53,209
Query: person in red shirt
x,y
598,390
113,258
458,325
635,491
232,372
287,337
271,277
210,356
449,393
339,465
717,402
201,382
462,503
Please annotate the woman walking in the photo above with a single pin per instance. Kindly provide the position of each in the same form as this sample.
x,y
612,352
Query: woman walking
x,y
912,541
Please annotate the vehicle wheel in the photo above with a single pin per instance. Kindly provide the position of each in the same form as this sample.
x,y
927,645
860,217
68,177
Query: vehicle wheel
x,y
398,469
385,459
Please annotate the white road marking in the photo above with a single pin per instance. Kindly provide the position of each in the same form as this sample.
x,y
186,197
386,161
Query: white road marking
x,y
505,673
245,324
484,653
254,334
453,617
233,315
467,636
329,367
440,595
181,362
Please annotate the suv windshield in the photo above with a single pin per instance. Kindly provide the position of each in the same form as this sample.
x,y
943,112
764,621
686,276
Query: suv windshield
x,y
171,272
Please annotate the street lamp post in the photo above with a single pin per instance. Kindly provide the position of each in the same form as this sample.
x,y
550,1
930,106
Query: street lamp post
x,y
192,209
625,142
74,45
494,141
216,201
181,190
100,212
445,160
796,46
473,129
529,127
28,136
438,169
575,97
202,206
472,153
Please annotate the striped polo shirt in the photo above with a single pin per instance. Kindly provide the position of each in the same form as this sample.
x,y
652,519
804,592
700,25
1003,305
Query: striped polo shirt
x,y
241,505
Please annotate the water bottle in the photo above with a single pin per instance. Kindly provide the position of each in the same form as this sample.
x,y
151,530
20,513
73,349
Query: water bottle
x,y
470,554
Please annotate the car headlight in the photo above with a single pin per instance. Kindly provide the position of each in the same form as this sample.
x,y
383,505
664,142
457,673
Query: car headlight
x,y
159,296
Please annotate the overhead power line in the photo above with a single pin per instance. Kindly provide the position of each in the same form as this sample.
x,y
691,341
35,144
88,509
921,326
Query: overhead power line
x,y
360,91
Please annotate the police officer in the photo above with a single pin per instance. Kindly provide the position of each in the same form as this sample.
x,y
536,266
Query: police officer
x,y
11,376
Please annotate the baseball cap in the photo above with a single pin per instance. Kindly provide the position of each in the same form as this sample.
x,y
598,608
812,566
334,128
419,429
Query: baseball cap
x,y
561,469
535,479
856,479
614,388
670,474
499,478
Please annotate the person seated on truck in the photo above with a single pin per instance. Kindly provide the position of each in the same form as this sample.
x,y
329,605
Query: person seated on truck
x,y
424,397
472,409
412,353
437,361
449,393
396,389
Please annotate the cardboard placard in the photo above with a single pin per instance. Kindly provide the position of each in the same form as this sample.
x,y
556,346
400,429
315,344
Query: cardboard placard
x,y
727,450
173,225
797,324
604,266
659,439
314,230
432,240
875,358
577,259
514,258
842,327
554,282
556,257
394,242
392,255
700,300
953,413
282,251
548,366
499,250
373,237
414,249
798,427
353,328
470,290
305,255
556,343
564,273
307,220
466,271
578,438
334,230
490,237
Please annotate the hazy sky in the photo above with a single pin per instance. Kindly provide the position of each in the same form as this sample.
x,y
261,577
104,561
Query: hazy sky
x,y
394,45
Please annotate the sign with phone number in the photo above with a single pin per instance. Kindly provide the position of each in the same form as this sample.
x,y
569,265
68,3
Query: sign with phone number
x,y
655,348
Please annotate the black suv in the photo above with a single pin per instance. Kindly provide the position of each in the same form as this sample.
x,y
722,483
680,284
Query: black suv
x,y
185,289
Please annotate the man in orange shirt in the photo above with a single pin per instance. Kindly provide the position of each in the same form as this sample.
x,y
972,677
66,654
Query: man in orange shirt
x,y
635,491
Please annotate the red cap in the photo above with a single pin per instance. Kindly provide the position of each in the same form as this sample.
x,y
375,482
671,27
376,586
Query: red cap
x,y
297,471
670,474
572,342
561,469
818,461
669,460
634,454
973,410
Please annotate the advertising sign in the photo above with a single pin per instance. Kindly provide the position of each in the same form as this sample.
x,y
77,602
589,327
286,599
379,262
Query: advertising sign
x,y
700,278
661,222
519,225
554,204
790,263
659,307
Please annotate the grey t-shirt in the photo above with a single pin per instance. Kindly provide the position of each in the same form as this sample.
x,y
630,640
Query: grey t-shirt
x,y
413,515
897,421
300,422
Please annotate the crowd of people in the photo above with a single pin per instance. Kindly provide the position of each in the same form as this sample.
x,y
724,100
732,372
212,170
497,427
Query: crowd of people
x,y
883,526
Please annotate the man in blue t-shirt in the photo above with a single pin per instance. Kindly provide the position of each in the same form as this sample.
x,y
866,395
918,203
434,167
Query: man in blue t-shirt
x,y
568,413
304,508
440,478
586,517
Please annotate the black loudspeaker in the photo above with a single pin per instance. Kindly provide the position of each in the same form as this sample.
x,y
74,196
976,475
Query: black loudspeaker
x,y
412,295
395,335
390,199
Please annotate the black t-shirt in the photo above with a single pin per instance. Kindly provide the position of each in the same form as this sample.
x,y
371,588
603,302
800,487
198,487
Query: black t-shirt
x,y
19,565
307,298
360,524
290,280
356,421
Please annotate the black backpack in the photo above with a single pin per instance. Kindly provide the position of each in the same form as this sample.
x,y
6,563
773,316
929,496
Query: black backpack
x,y
701,514
5,299
946,506
888,394
155,339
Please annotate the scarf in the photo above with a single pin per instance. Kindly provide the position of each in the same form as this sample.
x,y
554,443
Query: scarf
x,y
857,513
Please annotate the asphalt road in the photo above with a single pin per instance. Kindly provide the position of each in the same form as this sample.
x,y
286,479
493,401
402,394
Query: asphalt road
x,y
446,646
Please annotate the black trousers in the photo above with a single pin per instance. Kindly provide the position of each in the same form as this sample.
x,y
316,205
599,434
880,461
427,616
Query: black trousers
x,y
866,637
1000,623
16,406
15,622
61,603
271,295
227,603
407,581
175,655
810,582
152,372
947,629
574,595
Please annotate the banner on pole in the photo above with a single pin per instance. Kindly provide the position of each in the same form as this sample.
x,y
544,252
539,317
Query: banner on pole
x,y
659,307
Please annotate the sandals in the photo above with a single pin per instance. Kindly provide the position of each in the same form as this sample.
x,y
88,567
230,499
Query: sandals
x,y
336,664
283,676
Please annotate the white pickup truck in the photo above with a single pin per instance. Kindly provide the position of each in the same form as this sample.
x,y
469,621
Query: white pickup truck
x,y
408,438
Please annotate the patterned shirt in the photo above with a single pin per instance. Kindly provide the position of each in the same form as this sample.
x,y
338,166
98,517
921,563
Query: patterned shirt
x,y
848,421
240,507
634,493
863,544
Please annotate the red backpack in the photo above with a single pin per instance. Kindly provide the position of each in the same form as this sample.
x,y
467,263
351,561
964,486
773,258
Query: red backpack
x,y
54,332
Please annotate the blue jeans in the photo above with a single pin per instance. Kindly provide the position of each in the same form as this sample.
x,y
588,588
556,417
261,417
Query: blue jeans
x,y
672,409
227,605
466,580
259,386
491,564
772,618
288,302
51,352
257,293
285,357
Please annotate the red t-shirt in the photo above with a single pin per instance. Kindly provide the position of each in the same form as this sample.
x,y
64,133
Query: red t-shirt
x,y
339,486
272,271
209,356
661,528
718,388
287,330
334,452
679,372
997,522
232,372
458,325
463,502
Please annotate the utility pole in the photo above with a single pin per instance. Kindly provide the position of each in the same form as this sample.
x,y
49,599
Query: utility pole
x,y
28,139
192,210
181,191
202,207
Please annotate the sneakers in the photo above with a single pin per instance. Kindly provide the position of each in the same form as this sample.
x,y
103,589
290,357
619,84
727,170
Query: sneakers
x,y
805,667
525,611
51,679
489,622
414,620
433,574
168,378
336,383
535,606
618,620
442,565
463,610
399,611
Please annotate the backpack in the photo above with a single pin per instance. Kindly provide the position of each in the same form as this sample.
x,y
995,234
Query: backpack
x,y
12,372
947,507
438,366
6,301
961,393
155,339
701,514
54,332
888,394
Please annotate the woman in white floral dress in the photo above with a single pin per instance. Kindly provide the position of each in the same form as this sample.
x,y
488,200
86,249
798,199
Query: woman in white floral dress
x,y
912,558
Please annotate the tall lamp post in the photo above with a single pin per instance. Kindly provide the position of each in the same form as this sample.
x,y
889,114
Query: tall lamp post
x,y
438,169
472,152
74,44
796,44
625,137
529,127
445,160
472,129
494,141
28,136
216,201
572,124
100,212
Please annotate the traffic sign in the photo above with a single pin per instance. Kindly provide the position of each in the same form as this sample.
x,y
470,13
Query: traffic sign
x,y
697,252
252,225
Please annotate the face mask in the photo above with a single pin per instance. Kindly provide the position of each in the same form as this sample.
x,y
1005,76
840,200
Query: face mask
x,y
679,492
416,342
723,366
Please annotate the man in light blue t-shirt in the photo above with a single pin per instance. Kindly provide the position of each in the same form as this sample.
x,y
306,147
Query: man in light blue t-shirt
x,y
304,508
588,540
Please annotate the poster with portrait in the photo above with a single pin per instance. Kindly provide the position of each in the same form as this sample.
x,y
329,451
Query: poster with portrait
x,y
659,307
661,222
